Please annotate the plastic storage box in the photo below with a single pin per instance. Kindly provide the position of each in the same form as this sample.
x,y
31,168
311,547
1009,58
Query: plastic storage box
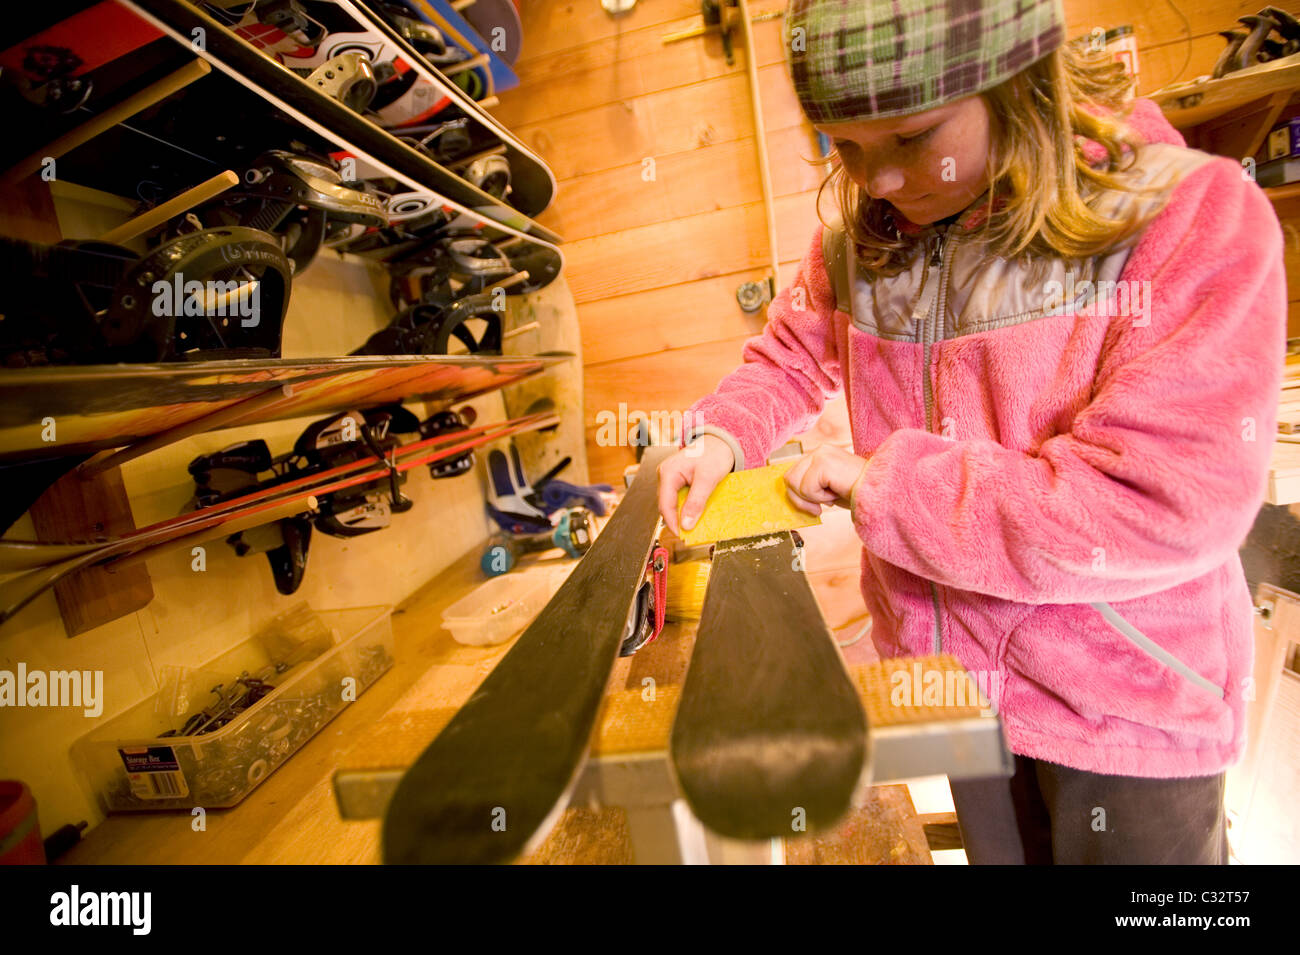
x,y
1279,172
131,767
503,606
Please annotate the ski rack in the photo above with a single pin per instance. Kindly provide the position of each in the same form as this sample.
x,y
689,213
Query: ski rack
x,y
292,95
905,743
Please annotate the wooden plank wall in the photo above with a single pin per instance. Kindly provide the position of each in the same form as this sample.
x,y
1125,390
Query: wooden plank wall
x,y
659,199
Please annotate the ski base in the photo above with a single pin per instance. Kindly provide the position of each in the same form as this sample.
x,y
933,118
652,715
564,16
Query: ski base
x,y
770,737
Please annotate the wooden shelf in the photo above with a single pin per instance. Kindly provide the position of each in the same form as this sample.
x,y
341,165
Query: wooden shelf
x,y
1284,474
1280,193
1190,104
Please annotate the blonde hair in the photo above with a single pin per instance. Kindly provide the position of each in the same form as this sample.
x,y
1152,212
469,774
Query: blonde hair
x,y
1035,166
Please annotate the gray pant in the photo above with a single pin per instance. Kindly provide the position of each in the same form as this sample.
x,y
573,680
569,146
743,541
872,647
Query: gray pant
x,y
1048,814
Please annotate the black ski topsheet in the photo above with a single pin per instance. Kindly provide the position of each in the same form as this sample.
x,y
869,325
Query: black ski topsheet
x,y
770,736
327,117
499,774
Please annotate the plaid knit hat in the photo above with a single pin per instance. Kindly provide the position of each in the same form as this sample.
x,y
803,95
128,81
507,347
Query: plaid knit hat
x,y
867,59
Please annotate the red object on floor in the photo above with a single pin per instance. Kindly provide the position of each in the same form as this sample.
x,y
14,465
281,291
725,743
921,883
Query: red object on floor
x,y
20,831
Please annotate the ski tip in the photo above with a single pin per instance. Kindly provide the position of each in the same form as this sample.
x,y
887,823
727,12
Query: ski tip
x,y
779,788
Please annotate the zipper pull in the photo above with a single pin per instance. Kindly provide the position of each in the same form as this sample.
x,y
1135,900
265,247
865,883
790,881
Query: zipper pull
x,y
936,257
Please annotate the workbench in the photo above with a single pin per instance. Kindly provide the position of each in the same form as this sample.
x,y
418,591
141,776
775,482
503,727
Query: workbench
x,y
295,816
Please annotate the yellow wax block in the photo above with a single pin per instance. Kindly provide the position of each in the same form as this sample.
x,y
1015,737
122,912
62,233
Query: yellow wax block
x,y
746,504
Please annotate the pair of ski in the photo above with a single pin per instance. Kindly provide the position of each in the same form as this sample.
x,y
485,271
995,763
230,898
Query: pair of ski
x,y
41,564
769,733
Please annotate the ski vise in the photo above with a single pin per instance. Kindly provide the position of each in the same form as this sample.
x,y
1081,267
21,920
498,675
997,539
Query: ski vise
x,y
629,766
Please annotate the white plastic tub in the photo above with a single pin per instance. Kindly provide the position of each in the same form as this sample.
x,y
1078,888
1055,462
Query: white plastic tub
x,y
502,607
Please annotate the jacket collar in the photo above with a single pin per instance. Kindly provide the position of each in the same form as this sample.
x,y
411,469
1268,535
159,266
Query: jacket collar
x,y
976,213
972,218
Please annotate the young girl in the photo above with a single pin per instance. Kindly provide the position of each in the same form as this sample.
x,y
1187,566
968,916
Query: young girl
x,y
1060,334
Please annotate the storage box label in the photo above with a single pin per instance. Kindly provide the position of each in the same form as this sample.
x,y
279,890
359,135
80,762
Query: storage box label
x,y
154,772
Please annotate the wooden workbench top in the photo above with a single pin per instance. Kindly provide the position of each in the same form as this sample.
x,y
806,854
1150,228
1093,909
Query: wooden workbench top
x,y
292,818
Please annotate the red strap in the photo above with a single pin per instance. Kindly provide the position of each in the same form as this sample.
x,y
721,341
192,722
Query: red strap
x,y
659,571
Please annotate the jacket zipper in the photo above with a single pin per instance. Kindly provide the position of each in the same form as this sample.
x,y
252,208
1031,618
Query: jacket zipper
x,y
934,275
931,331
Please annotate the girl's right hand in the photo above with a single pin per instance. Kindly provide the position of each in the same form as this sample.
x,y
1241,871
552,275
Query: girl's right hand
x,y
700,465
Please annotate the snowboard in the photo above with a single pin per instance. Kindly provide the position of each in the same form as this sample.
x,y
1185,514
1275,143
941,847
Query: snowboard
x,y
489,16
457,29
425,96
497,777
418,219
181,141
46,563
770,738
404,219
324,114
60,411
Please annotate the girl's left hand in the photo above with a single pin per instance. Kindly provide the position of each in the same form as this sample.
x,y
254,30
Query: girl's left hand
x,y
824,476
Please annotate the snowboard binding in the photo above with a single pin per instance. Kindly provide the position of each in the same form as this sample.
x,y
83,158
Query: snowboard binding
x,y
412,221
428,40
443,142
233,472
445,269
425,37
446,422
429,330
249,467
213,293
1271,34
349,78
491,174
282,27
351,437
299,199
440,293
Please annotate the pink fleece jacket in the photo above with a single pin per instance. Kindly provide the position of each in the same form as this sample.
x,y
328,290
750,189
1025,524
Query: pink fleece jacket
x,y
1077,540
